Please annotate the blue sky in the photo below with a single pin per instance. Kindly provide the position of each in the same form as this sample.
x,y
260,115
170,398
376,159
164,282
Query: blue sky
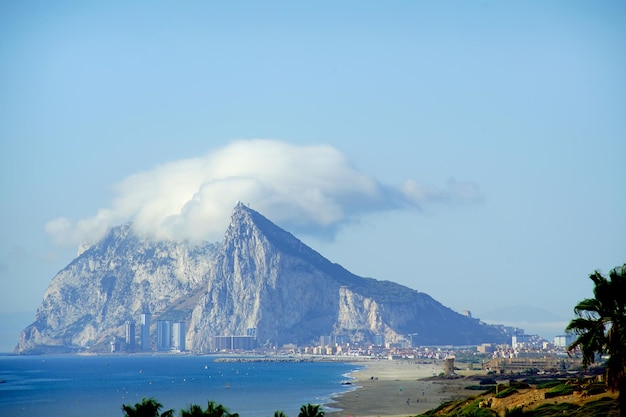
x,y
470,150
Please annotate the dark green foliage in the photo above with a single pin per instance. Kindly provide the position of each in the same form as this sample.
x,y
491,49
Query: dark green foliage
x,y
279,414
595,390
508,391
464,408
549,384
490,390
148,407
479,412
603,407
194,410
550,410
311,410
212,410
601,328
519,385
517,412
559,391
434,411
531,380
488,381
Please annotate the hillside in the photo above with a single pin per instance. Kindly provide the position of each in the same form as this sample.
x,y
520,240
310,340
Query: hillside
x,y
563,397
259,279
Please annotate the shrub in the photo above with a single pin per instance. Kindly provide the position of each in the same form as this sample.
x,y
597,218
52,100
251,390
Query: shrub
x,y
595,390
480,412
506,392
488,381
549,410
549,384
472,409
531,380
490,390
605,406
519,385
559,391
516,412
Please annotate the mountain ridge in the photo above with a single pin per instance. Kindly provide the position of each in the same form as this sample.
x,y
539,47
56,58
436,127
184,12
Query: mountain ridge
x,y
259,277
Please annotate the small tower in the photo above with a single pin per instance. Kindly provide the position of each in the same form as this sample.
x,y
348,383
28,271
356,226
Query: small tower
x,y
448,367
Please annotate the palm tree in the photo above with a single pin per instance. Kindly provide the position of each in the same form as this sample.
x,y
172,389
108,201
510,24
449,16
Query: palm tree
x,y
212,410
601,328
194,410
148,407
279,414
311,410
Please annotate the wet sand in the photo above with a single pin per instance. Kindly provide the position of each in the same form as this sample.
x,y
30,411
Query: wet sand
x,y
396,389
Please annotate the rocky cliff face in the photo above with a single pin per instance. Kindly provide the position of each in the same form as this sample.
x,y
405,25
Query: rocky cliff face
x,y
259,277
112,282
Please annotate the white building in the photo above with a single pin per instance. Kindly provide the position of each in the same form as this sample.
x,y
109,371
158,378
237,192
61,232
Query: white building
x,y
564,340
178,336
164,335
145,332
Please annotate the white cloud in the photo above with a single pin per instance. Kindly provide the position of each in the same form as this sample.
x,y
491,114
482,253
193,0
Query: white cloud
x,y
458,192
298,187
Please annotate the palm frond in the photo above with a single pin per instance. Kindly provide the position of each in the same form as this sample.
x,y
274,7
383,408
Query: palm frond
x,y
601,324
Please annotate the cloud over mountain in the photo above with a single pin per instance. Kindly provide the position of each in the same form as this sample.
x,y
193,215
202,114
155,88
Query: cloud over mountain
x,y
304,188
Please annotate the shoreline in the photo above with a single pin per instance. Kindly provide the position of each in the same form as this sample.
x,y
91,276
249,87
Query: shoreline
x,y
395,388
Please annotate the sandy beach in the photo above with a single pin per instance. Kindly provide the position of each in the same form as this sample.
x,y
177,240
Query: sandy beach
x,y
396,389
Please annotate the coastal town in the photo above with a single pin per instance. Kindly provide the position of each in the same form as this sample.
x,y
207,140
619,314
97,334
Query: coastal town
x,y
524,353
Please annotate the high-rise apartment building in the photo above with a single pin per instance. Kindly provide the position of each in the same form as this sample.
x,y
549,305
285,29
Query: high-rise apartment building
x,y
178,336
164,335
130,336
145,332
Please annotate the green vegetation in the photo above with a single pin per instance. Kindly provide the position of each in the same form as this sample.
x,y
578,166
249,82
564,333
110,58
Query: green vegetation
x,y
596,389
212,410
441,407
519,384
149,407
604,407
464,408
310,410
478,387
507,392
559,391
488,381
601,328
549,384
515,412
482,404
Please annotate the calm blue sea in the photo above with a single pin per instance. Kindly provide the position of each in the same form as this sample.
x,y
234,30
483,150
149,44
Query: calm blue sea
x,y
97,386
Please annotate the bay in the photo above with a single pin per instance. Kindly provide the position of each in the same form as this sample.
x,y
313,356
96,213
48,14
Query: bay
x,y
97,386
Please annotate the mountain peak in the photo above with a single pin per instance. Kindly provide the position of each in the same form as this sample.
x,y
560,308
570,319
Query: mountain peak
x,y
261,277
241,211
246,222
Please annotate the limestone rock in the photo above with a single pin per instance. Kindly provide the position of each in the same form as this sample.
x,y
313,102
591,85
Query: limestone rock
x,y
260,276
110,283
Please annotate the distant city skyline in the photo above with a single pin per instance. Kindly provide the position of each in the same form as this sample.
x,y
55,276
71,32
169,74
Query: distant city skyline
x,y
470,151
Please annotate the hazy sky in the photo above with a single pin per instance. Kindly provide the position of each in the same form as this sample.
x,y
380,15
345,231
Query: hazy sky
x,y
470,150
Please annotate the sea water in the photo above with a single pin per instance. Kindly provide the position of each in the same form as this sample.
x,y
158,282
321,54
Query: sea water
x,y
98,386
